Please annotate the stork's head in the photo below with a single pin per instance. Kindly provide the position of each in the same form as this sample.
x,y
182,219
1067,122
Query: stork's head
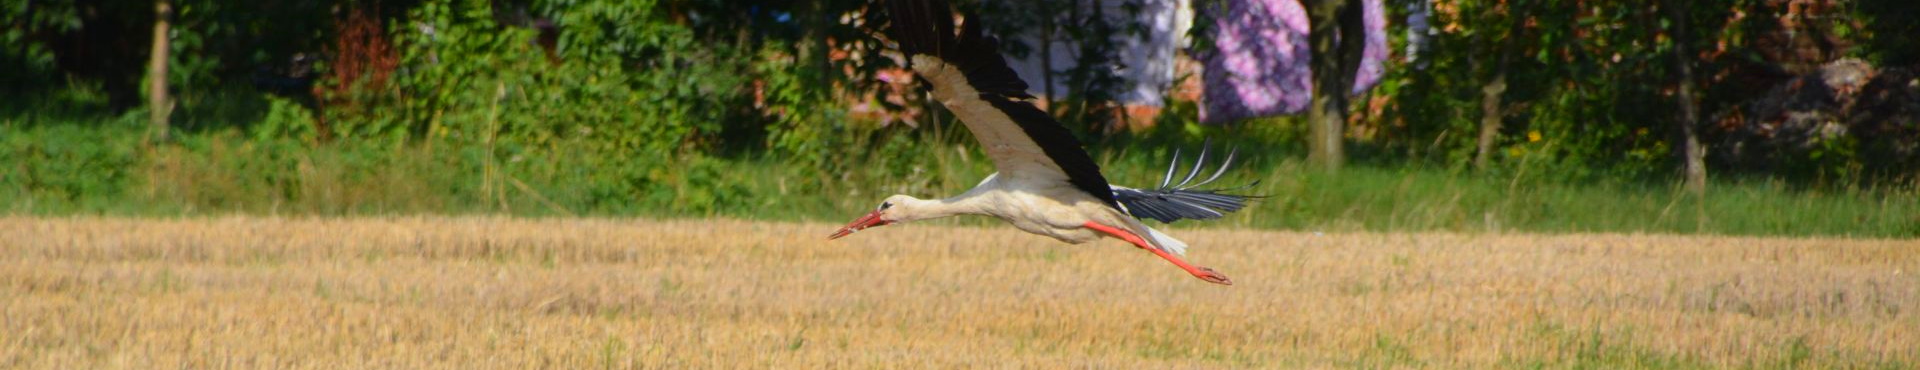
x,y
898,208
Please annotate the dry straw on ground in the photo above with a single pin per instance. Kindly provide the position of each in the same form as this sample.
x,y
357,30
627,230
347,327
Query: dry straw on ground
x,y
571,293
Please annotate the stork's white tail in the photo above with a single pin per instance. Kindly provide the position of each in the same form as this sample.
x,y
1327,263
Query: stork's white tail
x,y
1166,243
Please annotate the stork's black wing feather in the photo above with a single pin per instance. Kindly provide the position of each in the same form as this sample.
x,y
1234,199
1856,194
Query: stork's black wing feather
x,y
1173,202
925,27
1169,205
1060,146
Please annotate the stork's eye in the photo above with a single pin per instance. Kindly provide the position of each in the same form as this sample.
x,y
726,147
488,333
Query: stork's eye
x,y
885,205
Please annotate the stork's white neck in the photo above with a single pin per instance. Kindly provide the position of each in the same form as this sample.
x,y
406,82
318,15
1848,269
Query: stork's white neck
x,y
907,208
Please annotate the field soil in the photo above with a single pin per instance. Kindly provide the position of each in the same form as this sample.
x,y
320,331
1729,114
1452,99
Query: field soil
x,y
476,292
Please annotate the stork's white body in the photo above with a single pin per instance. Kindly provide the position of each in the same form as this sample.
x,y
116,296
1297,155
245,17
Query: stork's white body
x,y
1030,191
1047,209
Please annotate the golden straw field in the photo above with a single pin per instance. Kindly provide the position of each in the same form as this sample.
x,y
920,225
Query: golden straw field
x,y
477,292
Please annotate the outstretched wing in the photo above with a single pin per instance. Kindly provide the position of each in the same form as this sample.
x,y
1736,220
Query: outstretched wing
x,y
972,79
1172,202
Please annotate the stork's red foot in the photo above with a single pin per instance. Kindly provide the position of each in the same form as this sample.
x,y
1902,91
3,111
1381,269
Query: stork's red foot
x,y
1212,276
1203,273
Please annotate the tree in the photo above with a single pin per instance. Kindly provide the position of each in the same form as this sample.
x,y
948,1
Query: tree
x,y
1692,154
1338,40
1492,94
158,106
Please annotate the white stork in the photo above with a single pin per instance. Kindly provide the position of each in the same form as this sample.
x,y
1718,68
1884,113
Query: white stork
x,y
1046,183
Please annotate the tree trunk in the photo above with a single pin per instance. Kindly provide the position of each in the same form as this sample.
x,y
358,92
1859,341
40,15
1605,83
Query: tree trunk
x,y
1692,152
159,105
1338,40
1080,88
1493,94
26,15
814,51
1490,118
1047,18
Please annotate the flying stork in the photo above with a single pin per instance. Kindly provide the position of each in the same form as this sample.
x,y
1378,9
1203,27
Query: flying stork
x,y
1046,183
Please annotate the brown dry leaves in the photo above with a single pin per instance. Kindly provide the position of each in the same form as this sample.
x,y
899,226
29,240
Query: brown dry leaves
x,y
577,293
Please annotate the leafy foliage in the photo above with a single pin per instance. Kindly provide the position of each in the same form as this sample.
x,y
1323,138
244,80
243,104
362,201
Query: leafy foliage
x,y
692,107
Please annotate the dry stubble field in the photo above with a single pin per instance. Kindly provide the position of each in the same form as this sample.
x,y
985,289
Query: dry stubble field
x,y
594,293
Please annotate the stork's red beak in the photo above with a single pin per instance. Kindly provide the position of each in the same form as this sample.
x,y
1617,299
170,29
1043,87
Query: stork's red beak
x,y
870,220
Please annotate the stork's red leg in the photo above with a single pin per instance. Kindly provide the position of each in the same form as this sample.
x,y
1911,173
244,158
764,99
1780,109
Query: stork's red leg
x,y
1203,273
